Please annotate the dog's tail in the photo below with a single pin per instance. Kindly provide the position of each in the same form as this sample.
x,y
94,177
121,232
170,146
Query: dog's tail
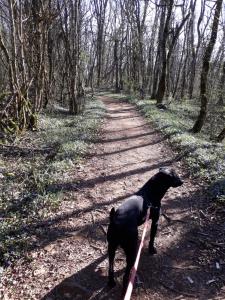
x,y
111,215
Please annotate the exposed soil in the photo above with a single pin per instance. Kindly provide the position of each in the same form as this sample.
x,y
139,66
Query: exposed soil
x,y
70,259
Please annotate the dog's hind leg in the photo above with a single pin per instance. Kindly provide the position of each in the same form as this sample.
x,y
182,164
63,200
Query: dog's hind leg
x,y
130,248
112,246
151,249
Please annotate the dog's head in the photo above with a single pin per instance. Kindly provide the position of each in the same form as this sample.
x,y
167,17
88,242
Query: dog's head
x,y
171,176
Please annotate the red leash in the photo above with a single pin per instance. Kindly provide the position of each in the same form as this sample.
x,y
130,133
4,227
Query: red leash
x,y
134,269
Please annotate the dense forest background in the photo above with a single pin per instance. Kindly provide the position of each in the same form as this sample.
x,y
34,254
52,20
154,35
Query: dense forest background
x,y
52,50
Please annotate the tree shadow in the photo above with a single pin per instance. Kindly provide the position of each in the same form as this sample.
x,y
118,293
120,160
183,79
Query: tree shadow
x,y
125,138
158,141
58,111
88,283
47,231
144,126
123,117
28,152
122,110
90,183
37,230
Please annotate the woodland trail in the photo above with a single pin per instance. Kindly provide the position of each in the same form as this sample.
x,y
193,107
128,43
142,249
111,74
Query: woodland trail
x,y
71,262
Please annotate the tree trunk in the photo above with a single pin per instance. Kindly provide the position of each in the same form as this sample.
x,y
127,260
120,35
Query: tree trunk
x,y
221,136
162,82
158,58
205,70
221,86
116,66
100,11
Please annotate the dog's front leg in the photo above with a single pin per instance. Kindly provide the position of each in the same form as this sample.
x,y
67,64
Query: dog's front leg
x,y
155,218
151,248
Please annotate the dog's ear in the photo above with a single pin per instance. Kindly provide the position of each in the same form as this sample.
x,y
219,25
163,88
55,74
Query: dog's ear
x,y
165,170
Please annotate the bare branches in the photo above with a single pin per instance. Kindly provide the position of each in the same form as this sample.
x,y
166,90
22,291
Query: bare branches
x,y
50,49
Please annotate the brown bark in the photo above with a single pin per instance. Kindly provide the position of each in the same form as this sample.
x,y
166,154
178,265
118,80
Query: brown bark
x,y
100,11
205,70
221,86
221,136
116,63
162,82
158,58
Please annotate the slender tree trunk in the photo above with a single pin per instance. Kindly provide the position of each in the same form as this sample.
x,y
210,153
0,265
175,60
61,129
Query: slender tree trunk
x,y
179,70
158,59
100,11
221,86
221,136
162,82
116,66
205,70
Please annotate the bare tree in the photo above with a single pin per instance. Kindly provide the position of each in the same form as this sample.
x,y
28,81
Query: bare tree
x,y
100,14
205,69
49,48
162,82
221,136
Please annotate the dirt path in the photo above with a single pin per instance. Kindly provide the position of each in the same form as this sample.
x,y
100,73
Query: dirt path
x,y
70,260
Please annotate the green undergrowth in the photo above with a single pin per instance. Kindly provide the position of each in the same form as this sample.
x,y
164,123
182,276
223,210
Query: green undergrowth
x,y
34,171
204,158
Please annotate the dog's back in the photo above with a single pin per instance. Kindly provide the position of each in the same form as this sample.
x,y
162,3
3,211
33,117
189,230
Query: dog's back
x,y
129,213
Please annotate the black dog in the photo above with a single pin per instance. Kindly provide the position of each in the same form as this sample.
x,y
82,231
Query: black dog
x,y
124,222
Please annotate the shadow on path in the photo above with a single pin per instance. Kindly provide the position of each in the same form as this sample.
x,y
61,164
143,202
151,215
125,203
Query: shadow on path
x,y
98,180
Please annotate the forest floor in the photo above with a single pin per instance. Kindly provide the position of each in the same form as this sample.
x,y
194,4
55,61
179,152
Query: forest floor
x,y
71,261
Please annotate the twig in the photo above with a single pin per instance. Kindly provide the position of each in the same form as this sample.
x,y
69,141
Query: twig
x,y
204,234
103,229
181,268
177,291
99,210
97,248
92,217
77,285
169,220
202,214
178,220
217,244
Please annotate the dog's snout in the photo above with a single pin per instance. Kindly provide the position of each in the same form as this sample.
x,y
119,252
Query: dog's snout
x,y
179,182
